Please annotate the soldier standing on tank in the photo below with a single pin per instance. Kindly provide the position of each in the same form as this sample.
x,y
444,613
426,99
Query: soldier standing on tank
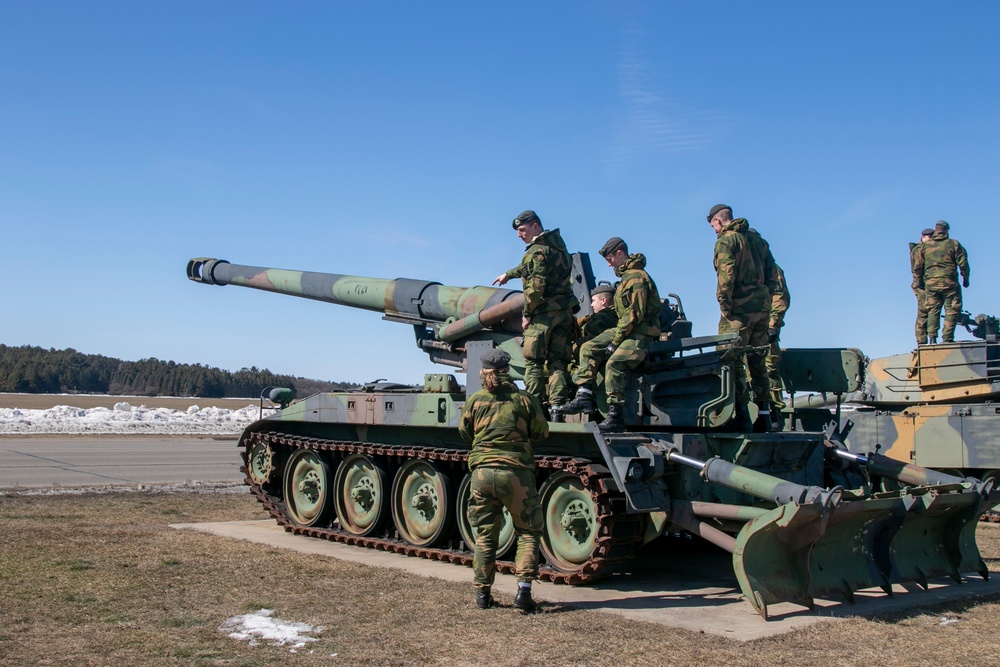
x,y
549,305
621,349
780,300
744,264
935,270
920,327
501,422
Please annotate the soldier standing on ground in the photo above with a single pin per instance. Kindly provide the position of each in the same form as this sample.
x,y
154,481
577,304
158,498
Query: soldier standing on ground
x,y
549,305
920,327
780,300
743,263
935,270
621,349
501,422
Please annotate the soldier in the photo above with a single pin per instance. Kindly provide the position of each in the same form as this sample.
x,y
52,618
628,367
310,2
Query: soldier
x,y
920,327
549,305
501,421
744,264
602,302
935,270
780,299
621,349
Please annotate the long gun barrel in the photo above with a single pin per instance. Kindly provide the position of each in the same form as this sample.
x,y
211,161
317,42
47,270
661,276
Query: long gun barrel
x,y
453,313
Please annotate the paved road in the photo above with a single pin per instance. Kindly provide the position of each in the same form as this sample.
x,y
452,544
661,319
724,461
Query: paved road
x,y
95,461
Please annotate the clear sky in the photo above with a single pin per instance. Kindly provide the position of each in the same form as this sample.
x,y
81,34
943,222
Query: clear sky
x,y
398,139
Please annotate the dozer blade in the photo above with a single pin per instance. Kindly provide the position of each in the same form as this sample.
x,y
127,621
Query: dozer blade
x,y
796,553
938,537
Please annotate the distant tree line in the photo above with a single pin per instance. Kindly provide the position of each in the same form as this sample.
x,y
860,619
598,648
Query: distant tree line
x,y
35,370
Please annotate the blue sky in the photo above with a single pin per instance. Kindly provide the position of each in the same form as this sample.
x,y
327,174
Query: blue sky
x,y
399,139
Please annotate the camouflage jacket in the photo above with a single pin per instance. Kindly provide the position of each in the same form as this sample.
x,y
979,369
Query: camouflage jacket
x,y
742,259
939,261
502,425
545,272
595,323
637,303
780,299
915,249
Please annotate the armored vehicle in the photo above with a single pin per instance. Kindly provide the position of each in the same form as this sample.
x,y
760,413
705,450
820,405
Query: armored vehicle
x,y
385,468
935,407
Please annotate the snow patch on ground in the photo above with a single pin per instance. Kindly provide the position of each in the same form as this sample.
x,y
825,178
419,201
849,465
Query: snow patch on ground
x,y
128,419
262,626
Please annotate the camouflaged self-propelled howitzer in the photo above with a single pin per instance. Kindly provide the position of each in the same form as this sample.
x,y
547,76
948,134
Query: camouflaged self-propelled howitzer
x,y
938,406
385,467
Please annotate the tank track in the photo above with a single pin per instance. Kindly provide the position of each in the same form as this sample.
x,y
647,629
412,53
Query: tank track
x,y
618,534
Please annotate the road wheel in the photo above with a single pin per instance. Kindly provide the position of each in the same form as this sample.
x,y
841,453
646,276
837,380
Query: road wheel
x,y
421,499
570,532
307,487
360,494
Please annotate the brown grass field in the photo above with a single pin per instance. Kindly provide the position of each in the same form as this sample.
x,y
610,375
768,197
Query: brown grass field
x,y
102,580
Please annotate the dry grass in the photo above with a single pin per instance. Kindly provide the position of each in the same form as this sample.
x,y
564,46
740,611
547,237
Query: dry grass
x,y
102,580
87,401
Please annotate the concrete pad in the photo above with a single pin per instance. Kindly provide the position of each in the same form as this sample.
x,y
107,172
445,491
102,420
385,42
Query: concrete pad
x,y
676,582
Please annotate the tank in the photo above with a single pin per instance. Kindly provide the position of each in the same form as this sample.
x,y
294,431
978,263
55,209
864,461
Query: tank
x,y
935,406
385,468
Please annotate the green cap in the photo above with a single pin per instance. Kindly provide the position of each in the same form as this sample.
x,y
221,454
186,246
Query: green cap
x,y
717,208
611,245
495,360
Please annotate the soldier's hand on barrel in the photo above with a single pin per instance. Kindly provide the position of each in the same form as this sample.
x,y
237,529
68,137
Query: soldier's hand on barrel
x,y
965,282
501,279
524,321
772,334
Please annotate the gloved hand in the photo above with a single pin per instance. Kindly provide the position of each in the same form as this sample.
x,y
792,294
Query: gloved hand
x,y
965,282
772,334
611,349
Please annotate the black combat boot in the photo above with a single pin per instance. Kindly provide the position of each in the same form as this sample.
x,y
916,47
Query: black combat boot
x,y
614,422
741,419
483,598
763,423
777,420
556,414
523,600
582,402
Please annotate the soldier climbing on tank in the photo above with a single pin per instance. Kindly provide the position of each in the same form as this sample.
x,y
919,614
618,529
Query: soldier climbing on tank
x,y
620,349
744,265
936,267
920,326
501,422
549,305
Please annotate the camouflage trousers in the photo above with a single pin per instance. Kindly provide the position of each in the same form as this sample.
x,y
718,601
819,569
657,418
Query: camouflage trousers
x,y
752,330
626,358
950,298
772,361
920,326
548,348
494,488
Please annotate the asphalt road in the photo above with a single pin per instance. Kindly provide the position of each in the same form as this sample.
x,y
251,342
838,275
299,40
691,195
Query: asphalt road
x,y
67,461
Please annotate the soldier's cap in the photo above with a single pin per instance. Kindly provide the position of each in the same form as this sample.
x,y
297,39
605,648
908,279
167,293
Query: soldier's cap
x,y
927,232
612,245
718,207
495,360
525,218
942,224
603,288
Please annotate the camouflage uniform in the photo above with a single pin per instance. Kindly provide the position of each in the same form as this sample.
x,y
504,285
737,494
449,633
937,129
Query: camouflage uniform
x,y
637,305
920,326
936,268
780,300
744,263
549,304
501,426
